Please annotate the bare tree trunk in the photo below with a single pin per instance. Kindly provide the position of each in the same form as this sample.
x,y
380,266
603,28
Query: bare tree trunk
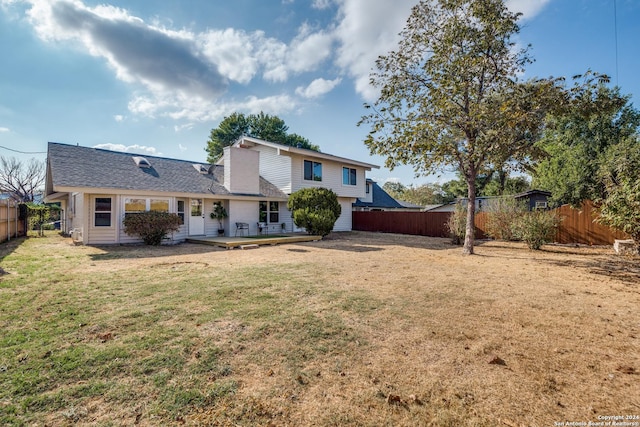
x,y
469,235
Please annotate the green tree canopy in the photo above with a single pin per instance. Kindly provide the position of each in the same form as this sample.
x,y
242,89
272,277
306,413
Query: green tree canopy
x,y
421,195
449,94
262,126
620,173
578,138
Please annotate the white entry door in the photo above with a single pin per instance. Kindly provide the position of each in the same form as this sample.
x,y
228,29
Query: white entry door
x,y
196,218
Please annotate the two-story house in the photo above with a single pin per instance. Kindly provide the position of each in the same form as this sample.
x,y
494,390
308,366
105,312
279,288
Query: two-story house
x,y
97,188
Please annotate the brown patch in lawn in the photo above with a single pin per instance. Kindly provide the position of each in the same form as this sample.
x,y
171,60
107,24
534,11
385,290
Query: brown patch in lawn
x,y
365,329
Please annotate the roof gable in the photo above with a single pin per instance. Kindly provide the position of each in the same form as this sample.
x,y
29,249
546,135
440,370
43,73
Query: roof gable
x,y
247,141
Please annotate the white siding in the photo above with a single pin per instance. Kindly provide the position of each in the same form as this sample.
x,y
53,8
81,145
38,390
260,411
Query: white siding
x,y
275,168
211,225
331,177
243,211
344,222
100,235
75,217
241,170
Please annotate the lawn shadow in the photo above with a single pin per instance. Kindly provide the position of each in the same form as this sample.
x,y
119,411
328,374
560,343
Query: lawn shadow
x,y
625,269
133,251
369,241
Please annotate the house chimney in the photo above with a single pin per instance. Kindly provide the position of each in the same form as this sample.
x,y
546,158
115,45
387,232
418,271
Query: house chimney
x,y
241,170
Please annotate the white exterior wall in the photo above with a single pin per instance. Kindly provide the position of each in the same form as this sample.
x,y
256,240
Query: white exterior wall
x,y
368,197
344,223
243,211
275,168
241,170
76,213
331,177
100,235
211,225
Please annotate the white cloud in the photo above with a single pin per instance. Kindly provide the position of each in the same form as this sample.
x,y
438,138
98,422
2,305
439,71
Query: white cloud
x,y
365,31
135,149
317,88
3,130
118,118
180,128
232,51
321,4
528,8
308,49
182,148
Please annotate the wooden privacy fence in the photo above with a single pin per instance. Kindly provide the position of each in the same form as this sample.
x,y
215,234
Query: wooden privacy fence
x,y
431,224
577,226
10,223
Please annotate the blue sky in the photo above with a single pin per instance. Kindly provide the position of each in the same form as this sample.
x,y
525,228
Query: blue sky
x,y
155,77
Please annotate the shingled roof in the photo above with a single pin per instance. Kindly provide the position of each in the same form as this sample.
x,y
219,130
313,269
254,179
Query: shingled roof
x,y
381,199
72,166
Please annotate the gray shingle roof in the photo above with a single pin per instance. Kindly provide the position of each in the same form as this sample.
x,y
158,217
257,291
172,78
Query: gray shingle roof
x,y
380,199
84,167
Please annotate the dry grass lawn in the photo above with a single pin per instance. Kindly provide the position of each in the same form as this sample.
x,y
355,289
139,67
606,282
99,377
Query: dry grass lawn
x,y
360,329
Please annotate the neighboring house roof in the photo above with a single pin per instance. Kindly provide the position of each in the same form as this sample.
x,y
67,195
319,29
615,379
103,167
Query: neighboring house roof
x,y
380,199
531,193
409,205
72,167
248,141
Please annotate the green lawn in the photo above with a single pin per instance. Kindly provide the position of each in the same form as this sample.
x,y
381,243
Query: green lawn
x,y
93,334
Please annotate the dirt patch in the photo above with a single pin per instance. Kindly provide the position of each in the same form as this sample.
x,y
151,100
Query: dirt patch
x,y
508,336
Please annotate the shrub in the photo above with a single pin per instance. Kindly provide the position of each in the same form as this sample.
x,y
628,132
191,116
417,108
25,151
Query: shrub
x,y
151,226
503,216
457,224
537,228
316,209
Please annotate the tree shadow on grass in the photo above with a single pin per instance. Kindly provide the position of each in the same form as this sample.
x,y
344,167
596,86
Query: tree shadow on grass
x,y
368,241
625,269
133,251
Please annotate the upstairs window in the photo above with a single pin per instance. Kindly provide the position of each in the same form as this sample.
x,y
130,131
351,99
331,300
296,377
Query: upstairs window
x,y
348,176
312,171
102,212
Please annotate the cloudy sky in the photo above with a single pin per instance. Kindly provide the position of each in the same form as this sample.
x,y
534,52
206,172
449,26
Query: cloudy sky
x,y
156,76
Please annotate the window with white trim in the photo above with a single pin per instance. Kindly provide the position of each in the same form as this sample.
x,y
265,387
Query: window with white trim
x,y
312,171
102,212
180,210
134,205
348,176
269,212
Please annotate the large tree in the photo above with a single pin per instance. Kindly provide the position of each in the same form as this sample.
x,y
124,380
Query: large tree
x,y
21,180
449,94
620,174
578,137
262,126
